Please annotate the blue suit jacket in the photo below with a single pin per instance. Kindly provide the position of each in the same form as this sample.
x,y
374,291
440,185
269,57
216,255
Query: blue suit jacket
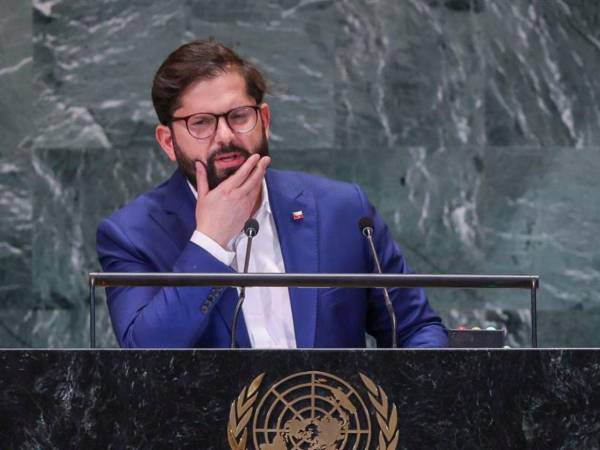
x,y
152,234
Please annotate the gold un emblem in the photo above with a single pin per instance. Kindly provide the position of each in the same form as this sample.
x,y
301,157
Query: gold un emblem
x,y
311,411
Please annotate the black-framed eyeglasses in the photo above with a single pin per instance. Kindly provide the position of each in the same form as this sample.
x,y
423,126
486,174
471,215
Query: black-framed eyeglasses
x,y
242,119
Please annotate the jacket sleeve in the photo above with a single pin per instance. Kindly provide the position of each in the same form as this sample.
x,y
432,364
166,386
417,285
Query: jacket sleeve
x,y
417,324
153,317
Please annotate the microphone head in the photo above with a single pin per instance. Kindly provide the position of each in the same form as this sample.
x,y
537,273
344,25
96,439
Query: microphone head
x,y
251,227
365,225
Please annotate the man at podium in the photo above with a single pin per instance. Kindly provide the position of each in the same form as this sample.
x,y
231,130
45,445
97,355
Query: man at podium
x,y
214,124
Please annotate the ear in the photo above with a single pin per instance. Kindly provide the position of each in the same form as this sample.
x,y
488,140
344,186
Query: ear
x,y
265,114
164,138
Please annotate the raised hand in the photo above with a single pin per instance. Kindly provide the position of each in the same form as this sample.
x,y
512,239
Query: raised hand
x,y
222,212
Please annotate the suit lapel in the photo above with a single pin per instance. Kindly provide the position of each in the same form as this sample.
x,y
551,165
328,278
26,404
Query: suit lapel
x,y
178,219
299,247
177,216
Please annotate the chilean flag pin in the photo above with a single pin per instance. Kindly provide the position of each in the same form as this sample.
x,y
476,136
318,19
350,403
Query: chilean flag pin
x,y
298,215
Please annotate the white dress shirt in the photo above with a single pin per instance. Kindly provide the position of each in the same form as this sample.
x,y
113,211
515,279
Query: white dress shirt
x,y
267,310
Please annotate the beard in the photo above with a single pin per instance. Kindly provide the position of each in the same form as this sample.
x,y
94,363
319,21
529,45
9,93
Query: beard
x,y
213,177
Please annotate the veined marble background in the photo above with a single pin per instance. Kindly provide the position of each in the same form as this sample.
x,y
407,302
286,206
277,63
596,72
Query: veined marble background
x,y
473,125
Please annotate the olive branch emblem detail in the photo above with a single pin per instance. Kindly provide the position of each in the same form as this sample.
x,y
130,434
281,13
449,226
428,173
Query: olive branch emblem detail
x,y
386,417
330,428
240,413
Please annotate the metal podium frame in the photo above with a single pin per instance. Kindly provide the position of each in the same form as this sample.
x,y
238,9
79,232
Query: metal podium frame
x,y
319,280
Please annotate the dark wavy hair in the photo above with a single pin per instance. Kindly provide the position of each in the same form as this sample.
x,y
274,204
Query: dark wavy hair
x,y
196,61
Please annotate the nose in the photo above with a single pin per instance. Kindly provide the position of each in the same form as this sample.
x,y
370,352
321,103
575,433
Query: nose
x,y
223,135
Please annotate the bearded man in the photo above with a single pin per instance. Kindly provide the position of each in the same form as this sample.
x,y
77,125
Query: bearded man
x,y
214,123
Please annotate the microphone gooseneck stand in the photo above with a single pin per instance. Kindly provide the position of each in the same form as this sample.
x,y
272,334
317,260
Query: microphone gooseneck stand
x,y
365,225
250,230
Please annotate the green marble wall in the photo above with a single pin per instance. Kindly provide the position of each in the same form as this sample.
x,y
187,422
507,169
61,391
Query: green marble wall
x,y
474,126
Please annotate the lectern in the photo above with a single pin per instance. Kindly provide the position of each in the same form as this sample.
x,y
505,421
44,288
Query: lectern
x,y
299,399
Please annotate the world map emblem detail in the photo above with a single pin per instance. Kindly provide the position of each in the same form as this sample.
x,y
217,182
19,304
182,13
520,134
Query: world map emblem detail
x,y
312,411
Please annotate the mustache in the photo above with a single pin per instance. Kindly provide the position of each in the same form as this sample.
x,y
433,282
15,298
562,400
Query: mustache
x,y
231,148
187,165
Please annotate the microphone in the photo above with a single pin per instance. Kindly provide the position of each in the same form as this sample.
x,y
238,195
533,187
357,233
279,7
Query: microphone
x,y
250,230
365,224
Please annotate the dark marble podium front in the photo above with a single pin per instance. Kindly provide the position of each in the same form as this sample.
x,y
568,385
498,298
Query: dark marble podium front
x,y
181,399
